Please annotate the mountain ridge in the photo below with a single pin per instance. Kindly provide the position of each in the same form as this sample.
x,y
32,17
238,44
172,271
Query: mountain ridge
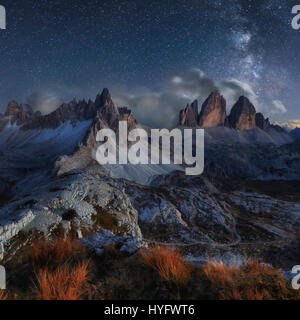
x,y
243,115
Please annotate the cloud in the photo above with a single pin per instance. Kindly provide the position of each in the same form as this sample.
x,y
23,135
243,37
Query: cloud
x,y
279,107
195,84
232,89
43,101
154,110
161,110
290,124
48,97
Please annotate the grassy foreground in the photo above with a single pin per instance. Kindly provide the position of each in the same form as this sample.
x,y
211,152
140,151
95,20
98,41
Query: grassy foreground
x,y
62,269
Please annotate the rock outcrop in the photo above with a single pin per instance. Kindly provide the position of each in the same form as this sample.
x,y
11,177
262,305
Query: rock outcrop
x,y
264,124
103,111
189,116
213,112
73,111
108,115
20,113
261,122
243,115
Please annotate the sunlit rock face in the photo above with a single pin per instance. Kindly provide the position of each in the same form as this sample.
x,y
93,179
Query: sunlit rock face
x,y
243,115
213,112
189,116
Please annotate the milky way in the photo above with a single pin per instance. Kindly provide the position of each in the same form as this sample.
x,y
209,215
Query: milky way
x,y
61,49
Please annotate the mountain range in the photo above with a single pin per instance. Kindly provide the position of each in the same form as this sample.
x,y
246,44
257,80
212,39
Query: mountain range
x,y
247,198
243,115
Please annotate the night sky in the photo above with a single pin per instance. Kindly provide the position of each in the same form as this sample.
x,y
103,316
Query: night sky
x,y
154,56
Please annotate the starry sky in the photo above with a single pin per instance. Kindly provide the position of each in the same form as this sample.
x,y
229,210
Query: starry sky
x,y
154,55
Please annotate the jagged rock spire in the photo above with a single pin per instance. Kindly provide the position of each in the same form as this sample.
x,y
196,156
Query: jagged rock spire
x,y
261,122
188,117
213,112
243,115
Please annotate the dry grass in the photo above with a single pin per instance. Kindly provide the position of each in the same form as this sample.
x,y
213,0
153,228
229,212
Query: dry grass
x,y
248,294
44,252
3,295
255,268
169,263
60,270
219,274
65,283
253,281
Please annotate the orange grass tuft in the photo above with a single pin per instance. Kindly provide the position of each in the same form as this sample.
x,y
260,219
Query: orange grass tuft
x,y
255,268
65,283
44,251
254,281
3,296
219,273
168,262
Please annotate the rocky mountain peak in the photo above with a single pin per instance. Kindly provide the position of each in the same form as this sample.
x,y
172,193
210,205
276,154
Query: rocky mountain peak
x,y
105,100
108,116
261,122
213,112
188,117
245,104
243,115
74,111
19,113
194,106
12,109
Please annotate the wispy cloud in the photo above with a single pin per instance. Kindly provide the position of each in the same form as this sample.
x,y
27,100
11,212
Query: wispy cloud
x,y
279,107
44,101
162,109
289,125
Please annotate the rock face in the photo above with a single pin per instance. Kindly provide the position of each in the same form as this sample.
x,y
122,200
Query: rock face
x,y
103,111
19,113
243,115
12,109
213,112
171,208
261,122
73,111
265,124
105,114
189,116
108,115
